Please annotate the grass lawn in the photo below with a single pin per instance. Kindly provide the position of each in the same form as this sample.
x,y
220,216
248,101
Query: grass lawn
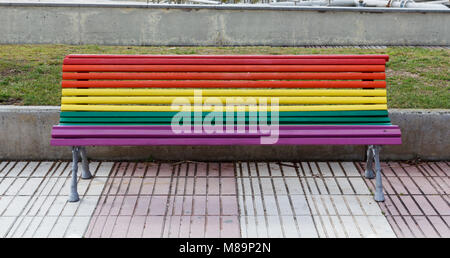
x,y
31,74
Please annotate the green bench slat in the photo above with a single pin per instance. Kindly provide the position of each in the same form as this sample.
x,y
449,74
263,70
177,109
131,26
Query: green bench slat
x,y
360,113
324,123
169,119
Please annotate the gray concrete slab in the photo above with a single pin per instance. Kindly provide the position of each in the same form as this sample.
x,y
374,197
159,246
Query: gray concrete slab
x,y
219,25
25,134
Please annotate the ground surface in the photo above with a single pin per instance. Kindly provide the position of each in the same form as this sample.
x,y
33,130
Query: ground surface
x,y
31,74
244,199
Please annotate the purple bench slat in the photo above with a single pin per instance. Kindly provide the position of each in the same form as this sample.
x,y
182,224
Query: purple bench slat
x,y
165,133
222,141
282,127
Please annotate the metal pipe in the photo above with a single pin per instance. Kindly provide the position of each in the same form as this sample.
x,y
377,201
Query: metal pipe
x,y
367,3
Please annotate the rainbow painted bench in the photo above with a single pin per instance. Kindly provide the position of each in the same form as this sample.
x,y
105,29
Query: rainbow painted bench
x,y
131,100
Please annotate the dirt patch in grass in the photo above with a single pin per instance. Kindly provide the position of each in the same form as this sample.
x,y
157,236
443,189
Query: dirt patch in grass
x,y
11,101
401,73
9,72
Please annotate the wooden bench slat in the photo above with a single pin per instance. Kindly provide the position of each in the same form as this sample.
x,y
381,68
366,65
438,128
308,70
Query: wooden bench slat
x,y
87,107
130,133
375,56
222,100
223,141
169,119
282,127
223,68
281,114
224,92
224,84
224,76
220,61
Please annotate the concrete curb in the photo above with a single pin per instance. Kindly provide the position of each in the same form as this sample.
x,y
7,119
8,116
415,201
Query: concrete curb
x,y
25,134
222,25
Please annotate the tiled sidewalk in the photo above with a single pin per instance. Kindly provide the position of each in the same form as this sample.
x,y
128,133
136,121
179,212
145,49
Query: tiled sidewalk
x,y
242,199
417,198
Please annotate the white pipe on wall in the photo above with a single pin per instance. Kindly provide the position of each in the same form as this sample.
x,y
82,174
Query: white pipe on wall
x,y
368,3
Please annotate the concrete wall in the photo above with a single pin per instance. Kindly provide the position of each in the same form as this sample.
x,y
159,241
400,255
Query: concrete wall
x,y
25,134
125,24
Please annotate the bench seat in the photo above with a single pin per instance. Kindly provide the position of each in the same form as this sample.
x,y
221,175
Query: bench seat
x,y
131,100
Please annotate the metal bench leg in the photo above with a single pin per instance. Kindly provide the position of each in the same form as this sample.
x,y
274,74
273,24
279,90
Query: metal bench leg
x,y
379,196
369,174
85,173
73,195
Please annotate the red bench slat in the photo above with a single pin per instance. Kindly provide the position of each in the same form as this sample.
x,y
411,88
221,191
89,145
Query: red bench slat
x,y
224,84
222,61
223,68
224,76
385,57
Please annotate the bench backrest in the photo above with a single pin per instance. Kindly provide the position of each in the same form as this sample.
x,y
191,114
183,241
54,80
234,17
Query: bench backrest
x,y
138,90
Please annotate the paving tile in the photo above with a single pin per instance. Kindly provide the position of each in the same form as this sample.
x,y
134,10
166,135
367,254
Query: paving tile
x,y
5,184
213,205
158,205
439,204
142,205
230,227
13,169
201,186
30,186
381,227
213,169
294,186
165,170
274,227
45,227
289,169
20,226
16,206
147,186
128,205
16,185
5,224
3,164
213,186
274,169
43,169
440,225
153,226
229,205
120,228
227,170
359,185
29,169
350,226
197,229
199,205
4,203
350,169
367,229
212,229
60,227
228,186
424,184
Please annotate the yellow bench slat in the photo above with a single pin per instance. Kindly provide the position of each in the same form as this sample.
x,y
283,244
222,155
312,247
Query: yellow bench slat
x,y
65,107
223,100
222,92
